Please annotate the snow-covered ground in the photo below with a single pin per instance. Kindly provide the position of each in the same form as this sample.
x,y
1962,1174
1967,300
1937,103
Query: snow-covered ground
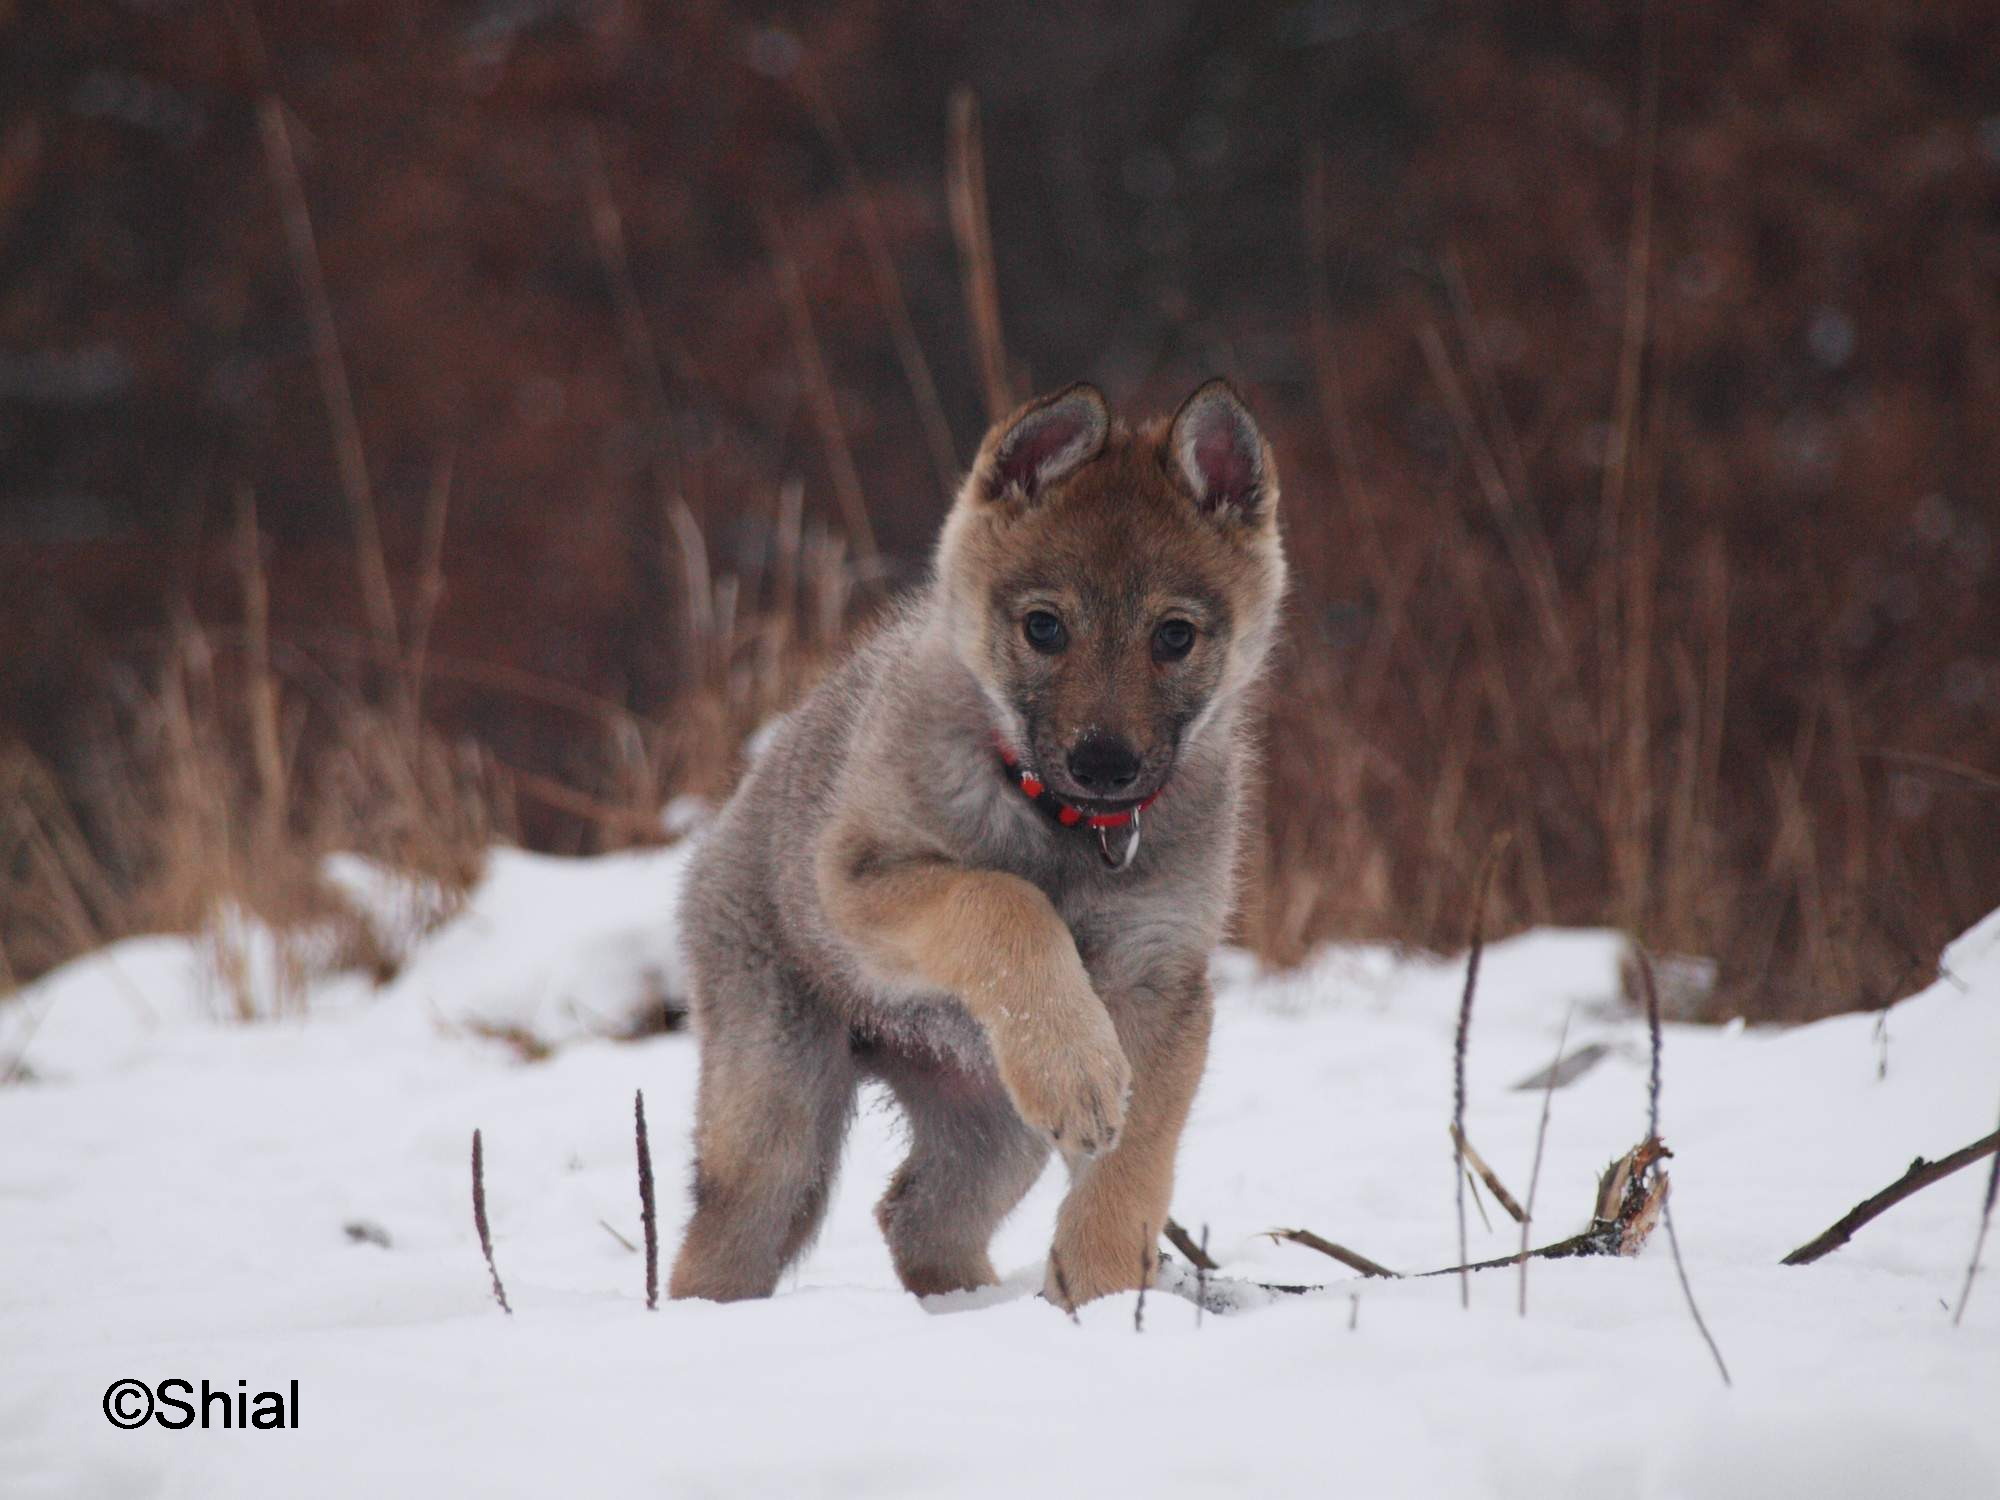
x,y
175,1191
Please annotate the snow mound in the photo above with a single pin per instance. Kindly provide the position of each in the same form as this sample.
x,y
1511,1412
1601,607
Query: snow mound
x,y
544,951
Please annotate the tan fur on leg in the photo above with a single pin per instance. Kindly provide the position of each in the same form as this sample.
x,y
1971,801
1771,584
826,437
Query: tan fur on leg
x,y
1117,1205
994,942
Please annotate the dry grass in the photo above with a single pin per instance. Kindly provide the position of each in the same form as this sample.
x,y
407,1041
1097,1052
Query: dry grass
x,y
227,765
222,773
1583,656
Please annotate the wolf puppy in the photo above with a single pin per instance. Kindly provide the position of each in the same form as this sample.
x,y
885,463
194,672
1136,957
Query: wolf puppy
x,y
987,860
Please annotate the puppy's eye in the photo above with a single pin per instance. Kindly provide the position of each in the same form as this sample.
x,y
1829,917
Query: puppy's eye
x,y
1044,632
1173,640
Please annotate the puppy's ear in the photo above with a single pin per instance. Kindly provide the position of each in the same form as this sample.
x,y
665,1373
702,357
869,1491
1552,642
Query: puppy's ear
x,y
1216,451
1047,440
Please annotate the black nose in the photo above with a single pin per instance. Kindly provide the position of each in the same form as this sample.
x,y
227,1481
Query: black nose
x,y
1103,763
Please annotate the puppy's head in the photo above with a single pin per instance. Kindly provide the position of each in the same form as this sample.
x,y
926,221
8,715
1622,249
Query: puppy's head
x,y
1111,589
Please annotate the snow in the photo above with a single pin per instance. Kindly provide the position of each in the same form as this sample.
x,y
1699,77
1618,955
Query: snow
x,y
176,1186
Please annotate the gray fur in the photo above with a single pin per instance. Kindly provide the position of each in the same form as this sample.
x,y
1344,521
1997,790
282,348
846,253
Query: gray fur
x,y
792,1018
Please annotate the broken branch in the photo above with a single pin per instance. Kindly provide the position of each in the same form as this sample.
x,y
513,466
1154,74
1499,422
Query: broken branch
x,y
1353,1260
1195,1255
1921,1174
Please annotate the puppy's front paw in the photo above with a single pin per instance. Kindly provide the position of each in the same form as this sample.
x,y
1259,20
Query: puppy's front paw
x,y
1066,1073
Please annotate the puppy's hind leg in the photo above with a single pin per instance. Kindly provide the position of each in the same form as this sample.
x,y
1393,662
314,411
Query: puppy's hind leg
x,y
971,1161
776,1095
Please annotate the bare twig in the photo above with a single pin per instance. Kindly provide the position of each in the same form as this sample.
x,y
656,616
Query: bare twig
x,y
1979,1240
1921,1174
1202,1266
1145,1275
1595,1241
1687,1291
609,1228
1488,1176
1541,1139
974,233
1475,949
479,1221
1352,1259
1478,1199
648,1214
1652,991
1181,1240
1630,1196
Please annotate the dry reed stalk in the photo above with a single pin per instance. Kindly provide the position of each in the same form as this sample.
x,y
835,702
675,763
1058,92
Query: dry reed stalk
x,y
1623,602
788,547
1446,852
530,687
648,1209
642,354
973,230
430,584
1942,765
282,166
1461,1040
889,290
1492,486
1541,1140
820,397
611,818
1506,439
708,653
1652,993
266,750
635,329
1487,1175
1501,471
1507,718
73,887
1979,1239
479,1221
1632,785
1327,384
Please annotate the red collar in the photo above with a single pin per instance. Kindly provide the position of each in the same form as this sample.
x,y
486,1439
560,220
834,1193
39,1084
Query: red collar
x,y
1070,817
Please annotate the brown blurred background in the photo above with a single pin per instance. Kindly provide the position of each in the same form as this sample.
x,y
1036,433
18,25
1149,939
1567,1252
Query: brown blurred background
x,y
1634,373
